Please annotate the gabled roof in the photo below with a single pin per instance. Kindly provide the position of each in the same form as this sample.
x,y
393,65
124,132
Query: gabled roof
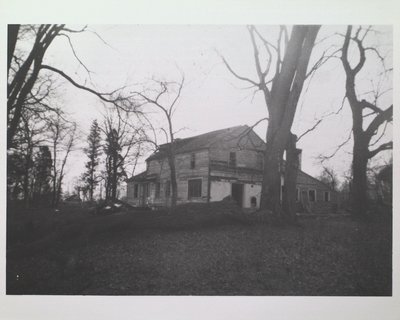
x,y
206,140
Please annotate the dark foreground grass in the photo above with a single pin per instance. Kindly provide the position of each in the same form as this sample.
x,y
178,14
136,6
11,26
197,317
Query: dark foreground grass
x,y
192,253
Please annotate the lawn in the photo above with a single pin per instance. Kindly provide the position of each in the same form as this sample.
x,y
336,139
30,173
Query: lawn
x,y
189,252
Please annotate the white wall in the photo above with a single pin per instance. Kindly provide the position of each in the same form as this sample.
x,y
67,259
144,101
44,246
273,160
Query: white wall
x,y
251,190
220,190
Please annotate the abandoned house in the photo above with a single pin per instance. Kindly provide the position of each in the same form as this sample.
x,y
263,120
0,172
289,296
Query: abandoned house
x,y
216,165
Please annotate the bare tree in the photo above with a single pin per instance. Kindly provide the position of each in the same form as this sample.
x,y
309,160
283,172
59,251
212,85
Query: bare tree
x,y
20,159
23,70
368,117
329,177
62,137
165,98
281,86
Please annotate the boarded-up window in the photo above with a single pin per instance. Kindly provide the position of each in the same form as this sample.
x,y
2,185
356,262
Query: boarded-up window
x,y
327,196
168,188
194,188
232,159
157,189
135,191
311,195
192,161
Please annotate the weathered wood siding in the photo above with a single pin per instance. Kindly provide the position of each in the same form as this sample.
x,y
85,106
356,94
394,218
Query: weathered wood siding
x,y
306,183
213,167
183,173
248,170
131,199
248,158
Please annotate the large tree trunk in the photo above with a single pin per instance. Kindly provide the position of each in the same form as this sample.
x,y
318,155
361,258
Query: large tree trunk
x,y
26,183
91,187
271,185
114,180
291,170
55,175
282,102
174,184
359,167
362,137
12,36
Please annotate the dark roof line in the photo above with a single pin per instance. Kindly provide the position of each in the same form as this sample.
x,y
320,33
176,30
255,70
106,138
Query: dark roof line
x,y
310,176
199,142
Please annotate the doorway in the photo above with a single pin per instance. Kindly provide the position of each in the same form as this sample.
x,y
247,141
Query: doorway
x,y
237,193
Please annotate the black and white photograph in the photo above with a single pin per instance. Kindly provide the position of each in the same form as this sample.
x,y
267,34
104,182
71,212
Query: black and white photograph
x,y
250,160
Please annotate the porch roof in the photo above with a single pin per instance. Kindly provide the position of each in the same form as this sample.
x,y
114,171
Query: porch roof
x,y
142,177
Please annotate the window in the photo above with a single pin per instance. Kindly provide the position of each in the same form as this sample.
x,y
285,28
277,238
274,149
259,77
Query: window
x,y
327,196
232,159
194,188
145,190
253,202
311,195
297,194
168,188
192,161
135,191
157,189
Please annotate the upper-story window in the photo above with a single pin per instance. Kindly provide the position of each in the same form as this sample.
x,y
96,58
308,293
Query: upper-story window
x,y
232,159
192,161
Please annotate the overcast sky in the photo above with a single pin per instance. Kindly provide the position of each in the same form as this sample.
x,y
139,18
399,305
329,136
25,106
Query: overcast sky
x,y
211,98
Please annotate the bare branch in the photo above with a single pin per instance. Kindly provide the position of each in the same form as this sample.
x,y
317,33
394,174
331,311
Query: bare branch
x,y
340,146
366,104
382,147
266,43
98,94
238,76
261,75
75,31
248,130
382,117
310,129
178,94
322,60
75,55
380,136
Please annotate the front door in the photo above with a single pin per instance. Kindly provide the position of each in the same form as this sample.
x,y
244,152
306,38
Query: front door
x,y
237,193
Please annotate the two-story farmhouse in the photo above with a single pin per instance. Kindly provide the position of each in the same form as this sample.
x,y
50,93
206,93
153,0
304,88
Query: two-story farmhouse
x,y
215,165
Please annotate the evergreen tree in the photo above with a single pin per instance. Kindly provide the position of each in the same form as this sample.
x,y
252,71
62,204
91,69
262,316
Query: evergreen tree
x,y
114,163
90,177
